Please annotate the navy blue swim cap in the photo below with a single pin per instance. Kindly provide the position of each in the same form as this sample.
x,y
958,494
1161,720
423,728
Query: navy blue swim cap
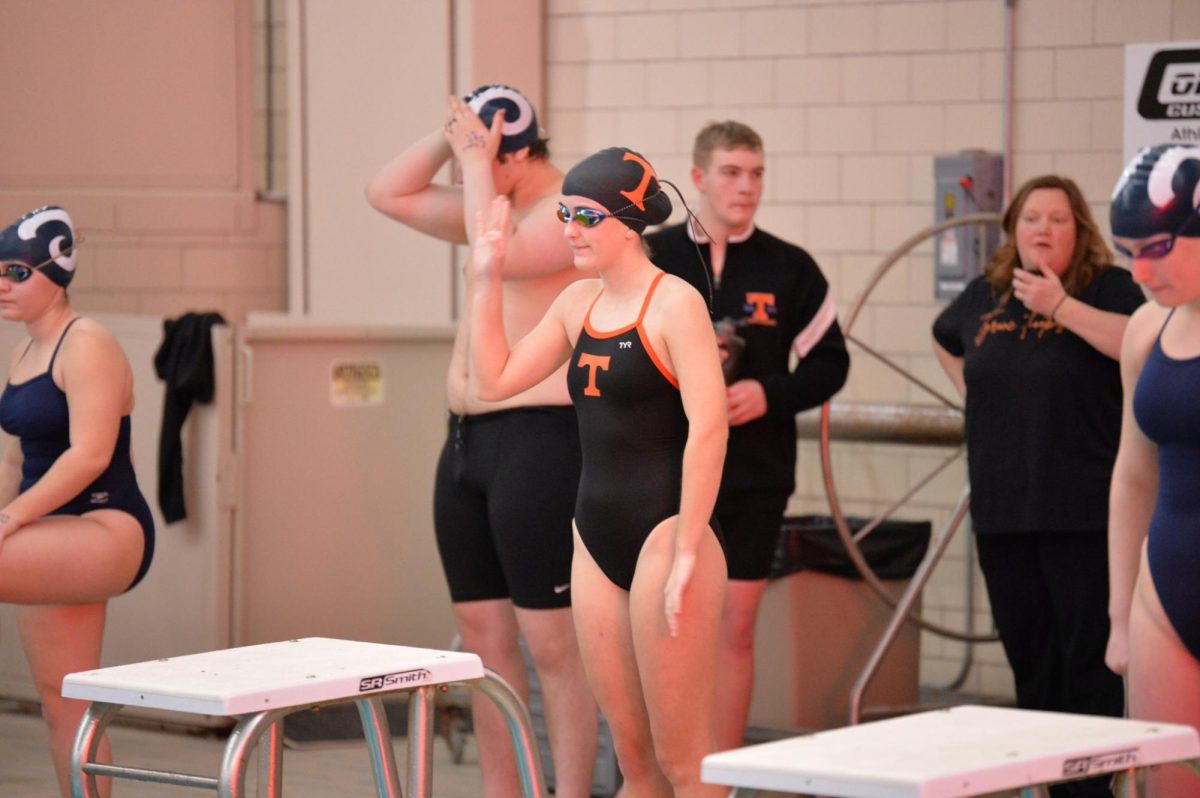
x,y
624,183
42,236
1158,192
520,122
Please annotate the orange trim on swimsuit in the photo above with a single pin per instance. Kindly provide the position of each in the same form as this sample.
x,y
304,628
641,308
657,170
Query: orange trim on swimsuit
x,y
636,324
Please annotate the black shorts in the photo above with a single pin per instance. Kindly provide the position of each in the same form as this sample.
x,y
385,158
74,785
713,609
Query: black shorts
x,y
503,501
752,522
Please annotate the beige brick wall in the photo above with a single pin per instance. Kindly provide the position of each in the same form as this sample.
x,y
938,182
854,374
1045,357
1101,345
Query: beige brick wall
x,y
151,149
854,99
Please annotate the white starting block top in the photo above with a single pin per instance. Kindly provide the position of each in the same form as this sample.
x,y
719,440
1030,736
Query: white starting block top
x,y
964,751
237,681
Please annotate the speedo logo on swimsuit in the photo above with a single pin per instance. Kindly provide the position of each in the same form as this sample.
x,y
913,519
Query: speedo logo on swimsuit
x,y
593,363
98,497
399,679
1101,763
761,306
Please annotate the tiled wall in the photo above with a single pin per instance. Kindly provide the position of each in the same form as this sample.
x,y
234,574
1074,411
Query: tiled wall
x,y
854,99
151,150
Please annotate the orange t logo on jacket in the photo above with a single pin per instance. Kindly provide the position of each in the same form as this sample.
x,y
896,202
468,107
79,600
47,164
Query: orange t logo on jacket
x,y
638,195
591,363
760,302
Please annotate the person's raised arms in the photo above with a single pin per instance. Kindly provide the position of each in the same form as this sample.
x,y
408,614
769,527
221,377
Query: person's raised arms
x,y
404,189
501,371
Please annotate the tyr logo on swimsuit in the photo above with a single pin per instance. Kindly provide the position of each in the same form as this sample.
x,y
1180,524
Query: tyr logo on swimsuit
x,y
399,679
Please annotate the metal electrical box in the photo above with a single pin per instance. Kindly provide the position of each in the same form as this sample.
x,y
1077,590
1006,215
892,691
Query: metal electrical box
x,y
970,182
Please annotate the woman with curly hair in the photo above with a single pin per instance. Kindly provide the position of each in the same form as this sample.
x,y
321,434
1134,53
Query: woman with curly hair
x,y
1032,347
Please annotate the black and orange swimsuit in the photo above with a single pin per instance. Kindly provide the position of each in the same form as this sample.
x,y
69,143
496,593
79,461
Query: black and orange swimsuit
x,y
632,428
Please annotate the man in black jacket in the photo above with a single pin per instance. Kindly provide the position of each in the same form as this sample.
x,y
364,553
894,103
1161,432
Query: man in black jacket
x,y
772,296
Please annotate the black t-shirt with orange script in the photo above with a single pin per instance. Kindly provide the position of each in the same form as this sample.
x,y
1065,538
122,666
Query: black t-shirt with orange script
x,y
1043,409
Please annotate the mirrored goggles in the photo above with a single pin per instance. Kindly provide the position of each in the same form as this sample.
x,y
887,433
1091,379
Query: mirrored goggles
x,y
1157,249
1152,251
19,273
584,217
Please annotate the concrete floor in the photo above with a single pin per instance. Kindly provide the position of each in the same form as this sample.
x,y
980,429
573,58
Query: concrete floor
x,y
316,770
328,769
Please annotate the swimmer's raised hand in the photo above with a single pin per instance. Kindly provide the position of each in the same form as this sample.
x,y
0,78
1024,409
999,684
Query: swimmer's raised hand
x,y
491,237
468,137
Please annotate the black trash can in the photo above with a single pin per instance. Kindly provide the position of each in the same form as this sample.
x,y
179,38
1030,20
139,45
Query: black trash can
x,y
819,621
894,549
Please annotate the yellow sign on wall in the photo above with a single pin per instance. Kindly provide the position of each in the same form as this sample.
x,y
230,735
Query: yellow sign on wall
x,y
355,384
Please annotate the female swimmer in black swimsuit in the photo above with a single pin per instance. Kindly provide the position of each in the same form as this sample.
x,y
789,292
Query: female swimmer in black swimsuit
x,y
648,575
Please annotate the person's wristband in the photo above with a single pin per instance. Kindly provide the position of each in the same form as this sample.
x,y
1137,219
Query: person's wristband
x,y
1056,307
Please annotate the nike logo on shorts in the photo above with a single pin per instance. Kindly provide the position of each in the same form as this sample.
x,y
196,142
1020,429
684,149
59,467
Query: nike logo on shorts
x,y
562,588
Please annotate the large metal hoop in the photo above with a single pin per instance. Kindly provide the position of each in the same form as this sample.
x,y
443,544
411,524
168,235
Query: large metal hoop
x,y
848,537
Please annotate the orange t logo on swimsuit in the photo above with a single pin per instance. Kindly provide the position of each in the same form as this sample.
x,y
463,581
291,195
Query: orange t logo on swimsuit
x,y
760,302
591,363
638,195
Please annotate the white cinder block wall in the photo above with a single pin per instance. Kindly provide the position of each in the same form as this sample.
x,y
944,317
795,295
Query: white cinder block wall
x,y
155,157
854,99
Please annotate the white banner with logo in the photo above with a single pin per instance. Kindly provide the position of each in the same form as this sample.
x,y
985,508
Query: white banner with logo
x,y
1162,95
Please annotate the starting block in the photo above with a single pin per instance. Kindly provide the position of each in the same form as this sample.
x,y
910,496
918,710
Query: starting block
x,y
260,685
955,753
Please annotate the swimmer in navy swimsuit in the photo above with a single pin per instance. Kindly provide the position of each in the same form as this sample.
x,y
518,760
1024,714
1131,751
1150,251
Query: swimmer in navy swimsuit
x,y
1154,529
75,529
35,411
649,572
1172,553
